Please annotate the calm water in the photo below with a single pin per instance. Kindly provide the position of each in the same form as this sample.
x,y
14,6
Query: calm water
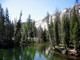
x,y
31,53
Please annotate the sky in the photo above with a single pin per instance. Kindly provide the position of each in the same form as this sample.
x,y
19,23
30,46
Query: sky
x,y
36,8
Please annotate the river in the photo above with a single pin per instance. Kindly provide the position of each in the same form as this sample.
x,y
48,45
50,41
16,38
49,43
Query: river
x,y
32,52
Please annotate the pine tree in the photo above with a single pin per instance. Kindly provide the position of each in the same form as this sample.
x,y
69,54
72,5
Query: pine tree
x,y
47,21
44,35
8,28
66,30
77,33
1,24
17,34
29,26
57,28
34,29
24,33
30,30
74,28
51,30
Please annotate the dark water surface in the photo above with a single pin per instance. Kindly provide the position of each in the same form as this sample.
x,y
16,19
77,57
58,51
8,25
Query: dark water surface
x,y
39,52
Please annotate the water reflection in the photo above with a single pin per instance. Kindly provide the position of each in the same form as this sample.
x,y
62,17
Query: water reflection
x,y
31,53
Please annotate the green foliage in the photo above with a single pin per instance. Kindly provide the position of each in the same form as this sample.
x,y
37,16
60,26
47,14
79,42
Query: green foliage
x,y
29,26
17,31
73,25
66,30
44,36
17,34
9,28
57,28
28,30
75,29
1,24
51,29
24,32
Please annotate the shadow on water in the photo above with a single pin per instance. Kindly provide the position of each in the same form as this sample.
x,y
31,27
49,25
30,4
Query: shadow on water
x,y
38,52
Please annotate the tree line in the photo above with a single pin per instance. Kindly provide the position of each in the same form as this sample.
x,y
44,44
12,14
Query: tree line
x,y
65,31
14,33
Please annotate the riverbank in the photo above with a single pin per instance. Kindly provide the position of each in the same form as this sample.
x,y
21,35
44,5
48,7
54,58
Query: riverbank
x,y
68,51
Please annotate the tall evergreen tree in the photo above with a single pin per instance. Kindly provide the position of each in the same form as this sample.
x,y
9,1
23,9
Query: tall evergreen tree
x,y
57,28
29,26
34,29
74,28
44,36
24,33
66,30
17,34
47,21
77,33
51,30
1,24
8,28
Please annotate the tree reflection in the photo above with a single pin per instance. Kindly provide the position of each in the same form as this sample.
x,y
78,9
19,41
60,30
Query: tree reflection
x,y
31,53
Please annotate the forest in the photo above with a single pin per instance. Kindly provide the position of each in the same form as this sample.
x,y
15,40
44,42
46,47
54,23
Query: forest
x,y
63,33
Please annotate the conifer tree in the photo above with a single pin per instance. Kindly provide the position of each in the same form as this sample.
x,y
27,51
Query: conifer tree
x,y
57,28
51,30
8,28
1,24
66,30
74,28
17,33
44,35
